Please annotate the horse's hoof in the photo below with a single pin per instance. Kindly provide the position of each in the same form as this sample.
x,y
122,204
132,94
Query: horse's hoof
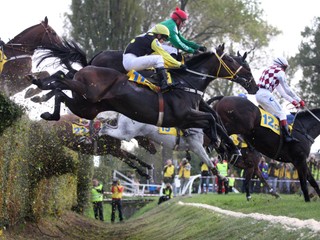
x,y
36,99
30,77
30,92
49,117
248,198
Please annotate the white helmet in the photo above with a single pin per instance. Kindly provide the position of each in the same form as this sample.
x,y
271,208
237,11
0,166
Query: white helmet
x,y
281,61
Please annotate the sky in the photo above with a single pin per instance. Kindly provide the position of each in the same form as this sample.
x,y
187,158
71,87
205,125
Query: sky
x,y
291,17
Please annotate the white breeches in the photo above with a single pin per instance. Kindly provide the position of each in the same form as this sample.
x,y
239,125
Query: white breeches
x,y
131,61
265,98
170,49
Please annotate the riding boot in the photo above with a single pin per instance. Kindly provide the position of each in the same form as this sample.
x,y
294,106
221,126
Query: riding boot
x,y
286,134
163,78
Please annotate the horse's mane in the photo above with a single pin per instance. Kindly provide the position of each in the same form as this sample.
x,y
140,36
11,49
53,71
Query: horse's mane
x,y
305,113
17,37
197,59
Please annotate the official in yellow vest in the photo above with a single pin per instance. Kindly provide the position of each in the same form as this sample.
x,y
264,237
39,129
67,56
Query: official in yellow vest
x,y
223,182
117,191
167,194
168,172
184,173
205,177
97,199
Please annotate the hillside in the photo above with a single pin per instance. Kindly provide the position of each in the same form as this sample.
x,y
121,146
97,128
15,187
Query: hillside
x,y
175,220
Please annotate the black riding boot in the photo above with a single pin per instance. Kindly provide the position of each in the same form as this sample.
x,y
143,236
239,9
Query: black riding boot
x,y
163,78
287,136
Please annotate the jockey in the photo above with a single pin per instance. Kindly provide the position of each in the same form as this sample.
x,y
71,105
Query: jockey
x,y
174,24
145,51
272,78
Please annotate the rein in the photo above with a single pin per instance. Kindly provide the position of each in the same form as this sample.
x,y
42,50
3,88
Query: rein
x,y
29,53
222,64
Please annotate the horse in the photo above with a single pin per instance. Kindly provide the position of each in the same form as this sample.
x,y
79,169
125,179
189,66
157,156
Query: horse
x,y
97,89
82,136
127,129
249,161
17,55
241,116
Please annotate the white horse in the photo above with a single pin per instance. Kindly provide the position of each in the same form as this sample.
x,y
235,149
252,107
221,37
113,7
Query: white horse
x,y
127,129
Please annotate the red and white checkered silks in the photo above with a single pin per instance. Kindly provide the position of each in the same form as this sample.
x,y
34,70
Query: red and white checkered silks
x,y
269,79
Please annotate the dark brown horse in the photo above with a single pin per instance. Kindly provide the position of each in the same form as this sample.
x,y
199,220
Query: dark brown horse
x,y
241,116
97,89
18,54
79,135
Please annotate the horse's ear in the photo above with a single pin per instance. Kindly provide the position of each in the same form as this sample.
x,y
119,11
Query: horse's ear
x,y
222,46
46,20
238,54
244,56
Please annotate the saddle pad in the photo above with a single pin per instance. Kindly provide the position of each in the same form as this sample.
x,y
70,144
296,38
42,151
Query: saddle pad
x,y
80,130
169,131
136,77
2,60
269,121
238,143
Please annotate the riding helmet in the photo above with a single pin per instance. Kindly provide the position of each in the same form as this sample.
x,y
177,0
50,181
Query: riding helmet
x,y
161,29
179,14
281,61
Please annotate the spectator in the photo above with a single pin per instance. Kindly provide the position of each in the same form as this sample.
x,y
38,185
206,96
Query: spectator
x,y
223,182
117,191
231,182
284,177
97,199
273,173
264,167
205,177
167,193
168,172
184,173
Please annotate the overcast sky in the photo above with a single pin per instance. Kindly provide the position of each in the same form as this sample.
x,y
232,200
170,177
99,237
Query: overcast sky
x,y
291,17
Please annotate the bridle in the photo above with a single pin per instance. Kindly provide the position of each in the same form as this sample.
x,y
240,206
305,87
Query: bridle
x,y
26,48
233,75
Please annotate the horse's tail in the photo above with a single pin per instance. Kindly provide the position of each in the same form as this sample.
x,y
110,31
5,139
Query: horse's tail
x,y
217,98
67,53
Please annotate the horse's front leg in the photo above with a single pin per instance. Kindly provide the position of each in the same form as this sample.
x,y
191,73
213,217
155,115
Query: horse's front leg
x,y
55,116
302,169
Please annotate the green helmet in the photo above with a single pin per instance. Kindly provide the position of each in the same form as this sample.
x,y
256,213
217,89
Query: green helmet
x,y
161,29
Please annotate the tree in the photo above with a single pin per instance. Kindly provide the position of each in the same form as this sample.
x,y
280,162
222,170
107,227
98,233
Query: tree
x,y
308,59
99,25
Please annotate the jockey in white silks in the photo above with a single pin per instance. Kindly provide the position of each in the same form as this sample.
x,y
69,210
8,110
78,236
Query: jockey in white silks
x,y
274,77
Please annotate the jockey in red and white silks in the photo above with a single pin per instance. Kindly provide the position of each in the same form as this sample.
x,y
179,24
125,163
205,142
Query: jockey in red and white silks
x,y
274,77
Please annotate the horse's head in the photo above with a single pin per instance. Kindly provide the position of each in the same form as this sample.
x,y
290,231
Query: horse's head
x,y
237,68
40,35
49,35
247,80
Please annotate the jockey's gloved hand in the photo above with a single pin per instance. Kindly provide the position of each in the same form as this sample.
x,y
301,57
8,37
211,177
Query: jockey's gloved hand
x,y
183,67
295,103
302,103
202,49
196,52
